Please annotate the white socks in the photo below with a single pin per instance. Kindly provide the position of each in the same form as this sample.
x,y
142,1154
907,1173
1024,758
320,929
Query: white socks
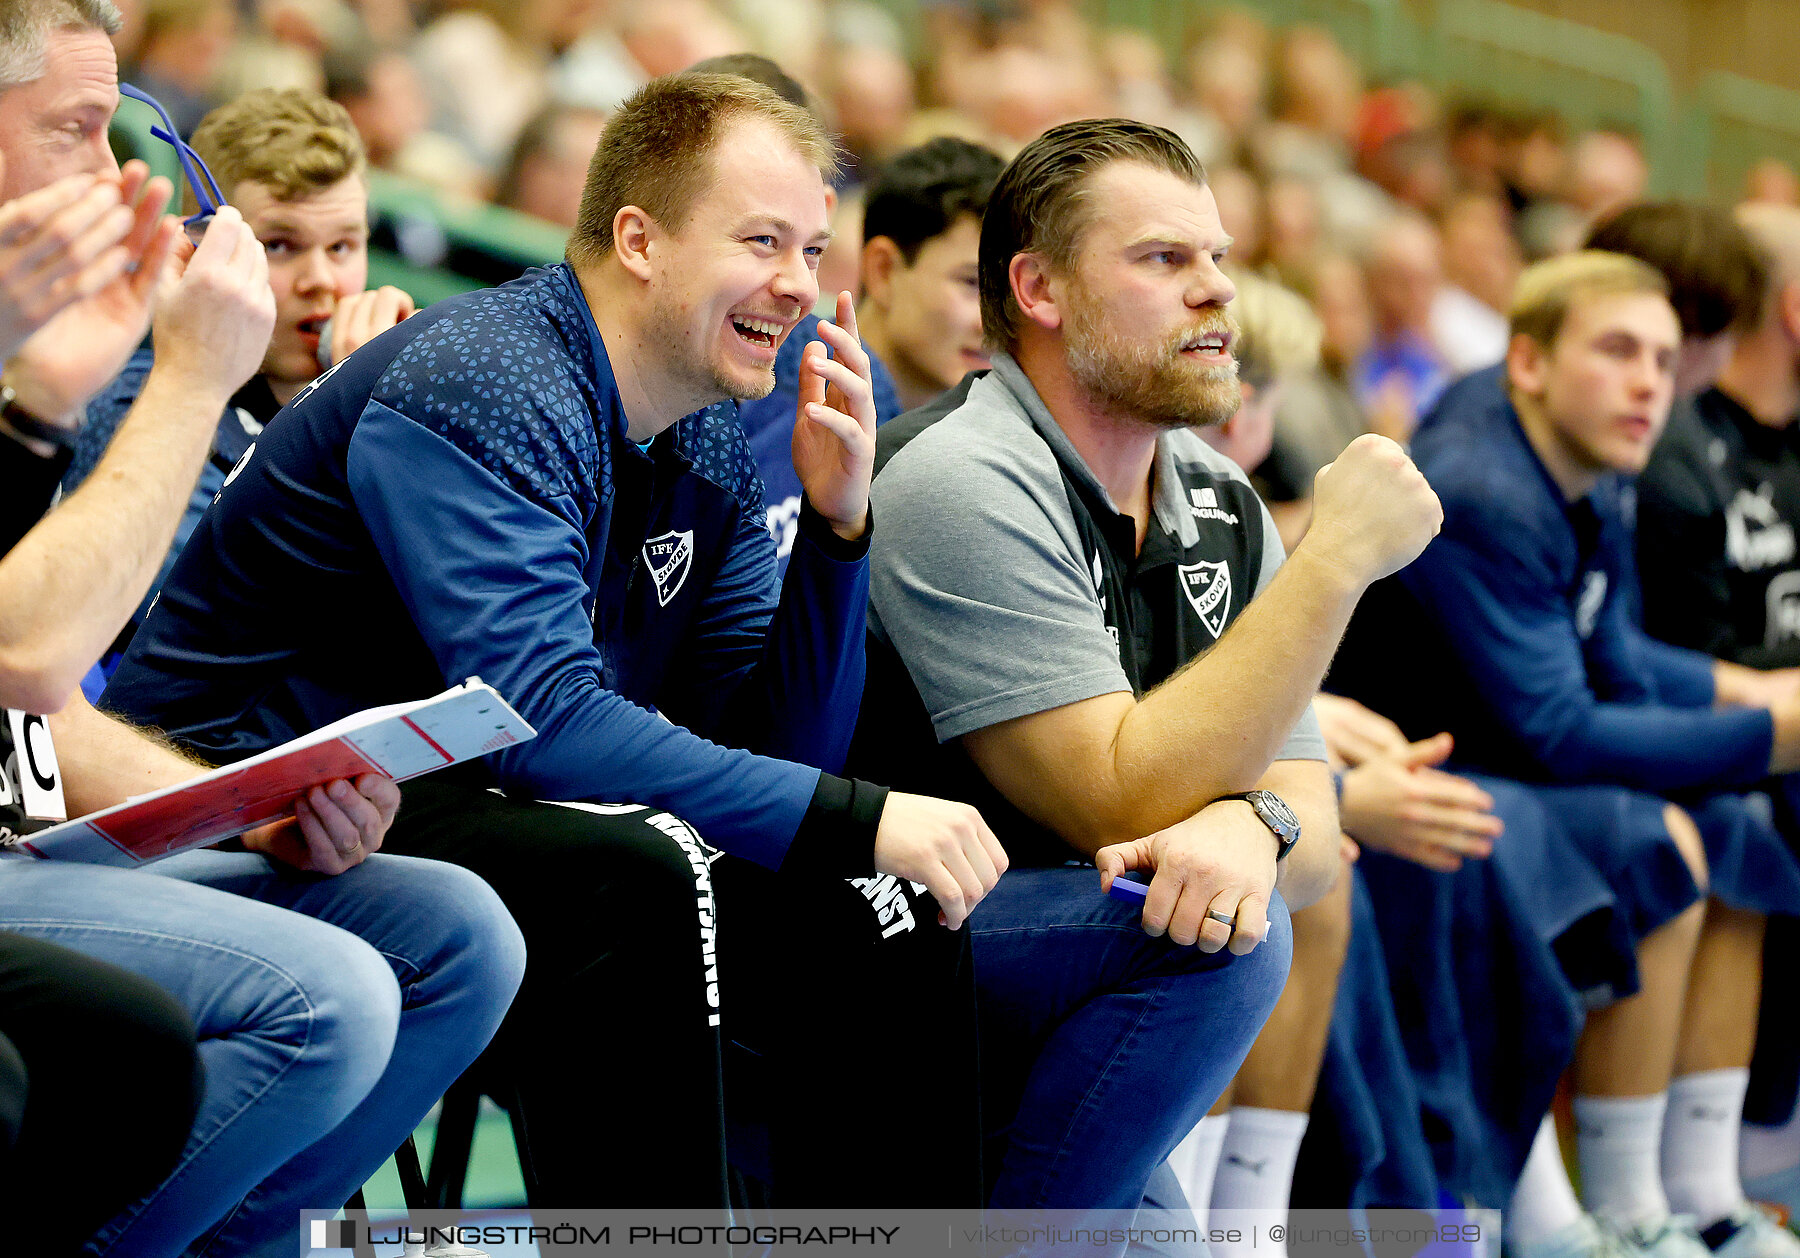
x,y
1700,1144
1196,1159
1543,1203
1620,1139
1256,1174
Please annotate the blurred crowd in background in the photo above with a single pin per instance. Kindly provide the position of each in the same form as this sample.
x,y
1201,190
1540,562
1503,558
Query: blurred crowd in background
x,y
1401,214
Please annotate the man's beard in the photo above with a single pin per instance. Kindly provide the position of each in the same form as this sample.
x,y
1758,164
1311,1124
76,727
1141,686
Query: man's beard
x,y
1150,383
667,338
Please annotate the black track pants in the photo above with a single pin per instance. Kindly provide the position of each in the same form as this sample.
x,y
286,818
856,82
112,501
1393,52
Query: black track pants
x,y
861,1034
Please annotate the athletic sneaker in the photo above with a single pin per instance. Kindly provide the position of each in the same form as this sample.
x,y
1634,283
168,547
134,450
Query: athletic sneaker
x,y
1749,1232
1584,1238
1672,1236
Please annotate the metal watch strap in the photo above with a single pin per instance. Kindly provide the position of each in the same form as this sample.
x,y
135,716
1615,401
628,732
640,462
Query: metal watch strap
x,y
1253,798
27,425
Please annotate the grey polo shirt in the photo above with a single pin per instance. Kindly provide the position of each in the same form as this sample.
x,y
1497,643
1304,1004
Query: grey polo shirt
x,y
1008,583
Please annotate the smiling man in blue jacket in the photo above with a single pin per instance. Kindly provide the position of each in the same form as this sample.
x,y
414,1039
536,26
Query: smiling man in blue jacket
x,y
545,485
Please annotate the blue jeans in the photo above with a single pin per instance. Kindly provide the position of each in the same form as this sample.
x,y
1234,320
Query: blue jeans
x,y
1102,1047
326,1032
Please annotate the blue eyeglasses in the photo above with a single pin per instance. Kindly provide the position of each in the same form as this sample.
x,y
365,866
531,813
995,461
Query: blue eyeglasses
x,y
196,226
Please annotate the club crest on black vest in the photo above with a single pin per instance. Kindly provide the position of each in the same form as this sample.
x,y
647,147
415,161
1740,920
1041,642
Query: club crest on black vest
x,y
1207,585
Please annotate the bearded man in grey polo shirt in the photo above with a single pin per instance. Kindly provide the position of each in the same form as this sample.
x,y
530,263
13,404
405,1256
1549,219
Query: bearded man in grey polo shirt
x,y
1063,631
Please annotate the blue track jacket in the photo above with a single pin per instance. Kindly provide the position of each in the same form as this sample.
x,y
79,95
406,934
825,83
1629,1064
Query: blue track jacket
x,y
1532,596
459,498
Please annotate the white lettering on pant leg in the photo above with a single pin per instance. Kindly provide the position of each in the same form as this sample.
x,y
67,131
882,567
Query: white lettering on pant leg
x,y
695,851
891,908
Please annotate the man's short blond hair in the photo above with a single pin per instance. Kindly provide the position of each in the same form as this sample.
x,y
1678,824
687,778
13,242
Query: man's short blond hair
x,y
656,153
1549,289
290,140
1278,333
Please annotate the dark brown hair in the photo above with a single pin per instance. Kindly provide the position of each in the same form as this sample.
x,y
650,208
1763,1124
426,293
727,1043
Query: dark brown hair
x,y
1718,276
1038,206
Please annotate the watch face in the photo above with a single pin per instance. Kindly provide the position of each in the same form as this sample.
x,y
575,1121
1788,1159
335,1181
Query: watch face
x,y
1278,813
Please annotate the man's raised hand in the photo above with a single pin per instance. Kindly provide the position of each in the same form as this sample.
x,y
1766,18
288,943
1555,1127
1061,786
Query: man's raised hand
x,y
82,347
834,425
213,327
945,846
361,317
57,245
1373,512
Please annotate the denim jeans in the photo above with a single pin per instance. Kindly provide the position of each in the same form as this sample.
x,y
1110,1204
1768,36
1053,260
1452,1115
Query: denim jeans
x,y
326,1032
1102,1047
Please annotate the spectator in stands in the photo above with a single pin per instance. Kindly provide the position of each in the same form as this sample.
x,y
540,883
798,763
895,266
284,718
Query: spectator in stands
x,y
872,96
1607,172
1080,688
1227,77
1241,204
1400,147
1717,278
1296,235
1402,371
1316,97
1773,182
184,43
385,98
486,68
1316,413
1278,343
293,166
506,486
595,70
921,309
1520,615
66,1021
665,36
1481,265
769,421
549,162
1476,143
317,1066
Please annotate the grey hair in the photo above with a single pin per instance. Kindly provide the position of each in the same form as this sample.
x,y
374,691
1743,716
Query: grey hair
x,y
25,27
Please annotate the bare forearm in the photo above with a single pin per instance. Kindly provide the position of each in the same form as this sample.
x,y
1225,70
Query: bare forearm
x,y
1112,769
105,762
68,587
1217,725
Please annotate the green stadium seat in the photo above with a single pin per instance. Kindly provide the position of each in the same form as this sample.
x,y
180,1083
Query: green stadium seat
x,y
423,284
130,137
1733,123
482,243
